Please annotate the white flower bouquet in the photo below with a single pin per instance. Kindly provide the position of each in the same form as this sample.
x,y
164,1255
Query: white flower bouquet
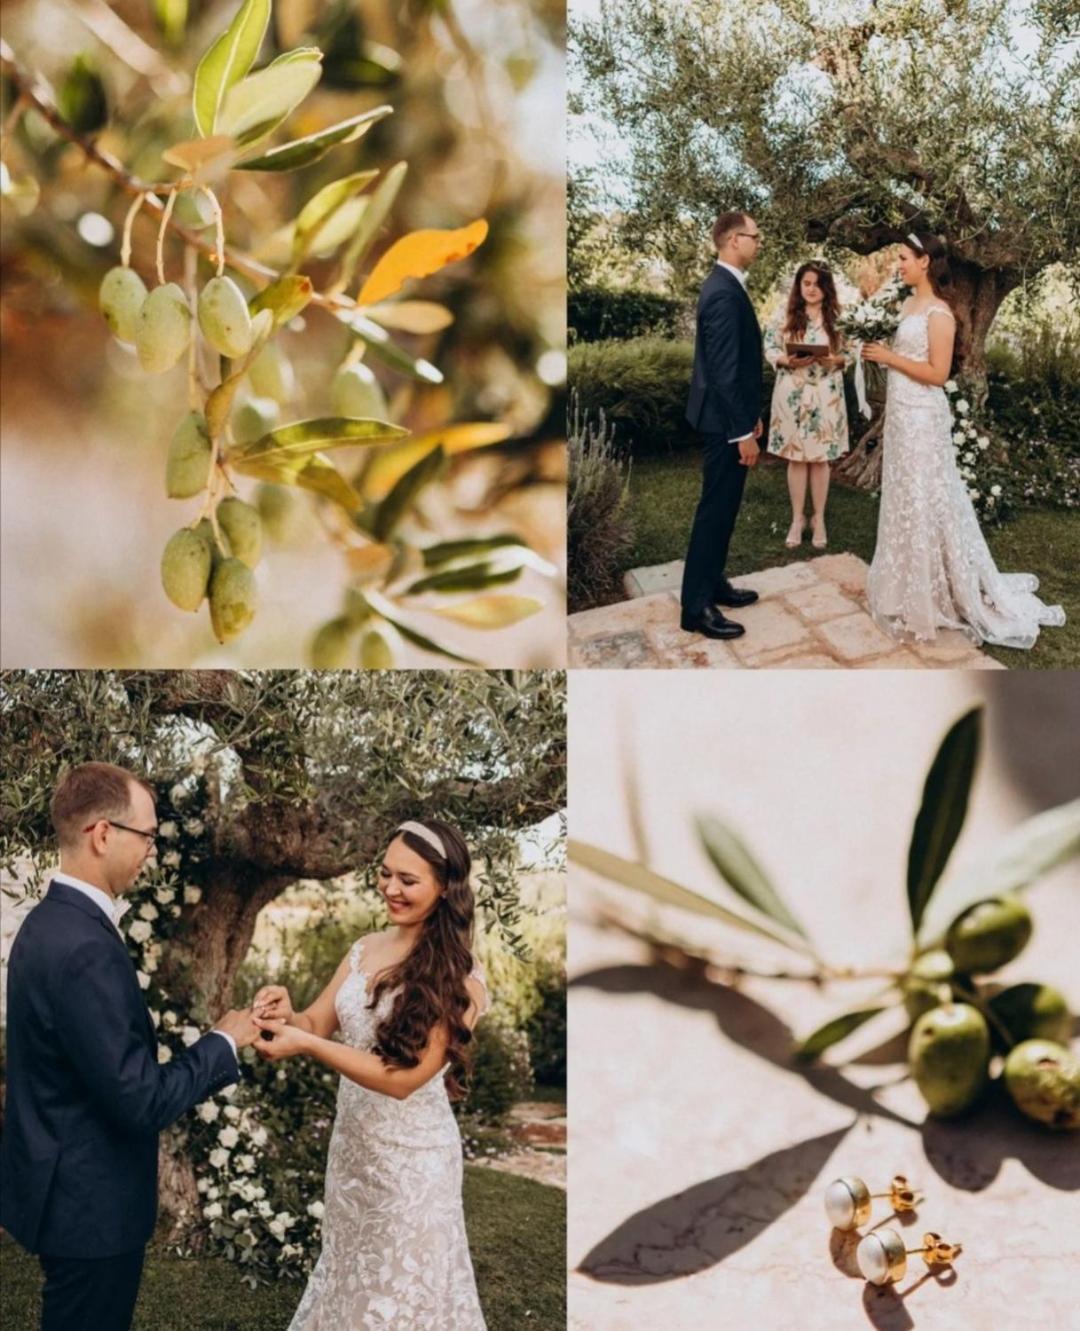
x,y
874,319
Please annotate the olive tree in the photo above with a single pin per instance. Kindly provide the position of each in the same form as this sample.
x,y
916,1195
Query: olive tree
x,y
847,125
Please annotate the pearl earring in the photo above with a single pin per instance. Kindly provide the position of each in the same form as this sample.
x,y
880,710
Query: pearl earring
x,y
882,1257
847,1200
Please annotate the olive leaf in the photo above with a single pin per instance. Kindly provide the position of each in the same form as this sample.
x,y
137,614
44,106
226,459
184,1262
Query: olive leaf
x,y
256,105
413,316
388,611
310,436
642,879
381,472
171,18
302,152
738,868
469,578
310,471
445,551
397,503
833,1032
419,254
942,812
382,200
1023,855
227,61
321,207
491,612
378,340
285,298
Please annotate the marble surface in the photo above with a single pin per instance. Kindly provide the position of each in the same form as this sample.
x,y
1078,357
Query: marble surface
x,y
699,1154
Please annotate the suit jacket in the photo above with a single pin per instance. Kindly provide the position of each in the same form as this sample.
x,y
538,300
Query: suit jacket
x,y
86,1096
725,389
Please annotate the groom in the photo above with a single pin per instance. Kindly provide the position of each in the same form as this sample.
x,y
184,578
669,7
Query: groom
x,y
724,404
86,1097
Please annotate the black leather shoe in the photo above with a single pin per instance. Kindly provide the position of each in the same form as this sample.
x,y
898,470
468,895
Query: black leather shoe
x,y
734,597
711,624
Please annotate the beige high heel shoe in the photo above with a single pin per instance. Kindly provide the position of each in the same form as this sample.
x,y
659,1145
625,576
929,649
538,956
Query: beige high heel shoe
x,y
791,544
824,541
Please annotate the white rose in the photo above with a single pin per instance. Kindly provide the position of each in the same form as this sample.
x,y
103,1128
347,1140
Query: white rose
x,y
189,1034
228,1137
194,827
264,1209
984,443
164,1053
171,860
213,1192
169,1017
950,385
163,895
149,960
168,831
174,911
974,494
213,1211
259,1136
291,1250
203,1184
232,1113
191,894
140,931
219,1158
958,437
316,1209
144,979
995,490
241,1215
208,1111
247,1191
277,1229
963,406
148,911
177,794
246,1163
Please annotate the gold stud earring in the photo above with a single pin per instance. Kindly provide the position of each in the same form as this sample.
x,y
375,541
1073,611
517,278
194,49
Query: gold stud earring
x,y
882,1257
847,1200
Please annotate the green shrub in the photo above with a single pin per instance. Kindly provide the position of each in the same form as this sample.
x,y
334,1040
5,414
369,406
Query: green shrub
x,y
546,1028
640,386
599,532
502,1073
594,314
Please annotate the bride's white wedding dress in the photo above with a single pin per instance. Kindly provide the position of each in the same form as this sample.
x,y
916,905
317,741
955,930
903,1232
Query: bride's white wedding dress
x,y
932,568
395,1256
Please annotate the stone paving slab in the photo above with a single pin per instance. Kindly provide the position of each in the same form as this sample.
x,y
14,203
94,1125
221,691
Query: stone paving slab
x,y
812,615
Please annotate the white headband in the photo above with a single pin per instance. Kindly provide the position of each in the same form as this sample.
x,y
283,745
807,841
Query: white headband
x,y
425,834
913,239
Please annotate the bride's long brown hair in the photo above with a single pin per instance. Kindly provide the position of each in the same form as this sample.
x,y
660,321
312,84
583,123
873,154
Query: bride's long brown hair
x,y
432,974
795,320
939,275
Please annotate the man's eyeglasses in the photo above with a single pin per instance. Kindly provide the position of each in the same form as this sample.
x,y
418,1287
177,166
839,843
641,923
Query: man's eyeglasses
x,y
751,235
150,837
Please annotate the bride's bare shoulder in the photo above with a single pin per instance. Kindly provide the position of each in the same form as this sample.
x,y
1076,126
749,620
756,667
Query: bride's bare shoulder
x,y
940,309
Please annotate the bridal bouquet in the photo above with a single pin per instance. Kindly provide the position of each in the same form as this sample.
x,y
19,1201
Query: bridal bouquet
x,y
872,320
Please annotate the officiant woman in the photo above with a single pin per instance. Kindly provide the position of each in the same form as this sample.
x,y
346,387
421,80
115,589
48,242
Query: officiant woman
x,y
808,421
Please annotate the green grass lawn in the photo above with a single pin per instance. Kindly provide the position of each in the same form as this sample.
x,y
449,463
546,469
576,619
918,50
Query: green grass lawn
x,y
664,493
517,1235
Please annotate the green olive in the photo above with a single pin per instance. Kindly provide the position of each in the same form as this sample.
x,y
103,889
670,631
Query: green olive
x,y
1043,1079
185,568
988,934
120,298
1033,1012
232,599
949,1051
254,418
271,374
224,317
242,525
187,469
356,392
927,983
331,643
163,328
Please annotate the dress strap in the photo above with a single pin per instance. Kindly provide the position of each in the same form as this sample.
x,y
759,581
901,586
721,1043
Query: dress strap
x,y
356,956
477,974
940,309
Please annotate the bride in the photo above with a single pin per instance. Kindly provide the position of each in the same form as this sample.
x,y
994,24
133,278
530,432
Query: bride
x,y
395,1255
932,568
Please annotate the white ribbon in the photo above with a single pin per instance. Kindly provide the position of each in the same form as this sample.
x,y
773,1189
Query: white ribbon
x,y
860,383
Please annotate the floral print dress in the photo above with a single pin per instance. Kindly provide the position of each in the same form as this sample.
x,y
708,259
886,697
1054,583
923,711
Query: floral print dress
x,y
808,421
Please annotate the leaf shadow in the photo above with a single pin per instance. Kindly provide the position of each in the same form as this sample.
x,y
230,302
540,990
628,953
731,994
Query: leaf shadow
x,y
698,1228
742,1019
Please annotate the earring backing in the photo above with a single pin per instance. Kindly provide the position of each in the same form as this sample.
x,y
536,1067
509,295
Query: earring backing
x,y
882,1257
847,1200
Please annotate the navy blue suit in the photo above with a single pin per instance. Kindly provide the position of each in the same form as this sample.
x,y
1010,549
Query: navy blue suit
x,y
724,404
86,1099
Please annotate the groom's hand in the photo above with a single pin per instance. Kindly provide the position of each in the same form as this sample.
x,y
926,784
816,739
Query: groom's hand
x,y
749,452
240,1026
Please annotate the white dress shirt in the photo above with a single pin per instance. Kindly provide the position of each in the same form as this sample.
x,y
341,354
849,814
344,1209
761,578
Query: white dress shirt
x,y
115,911
740,274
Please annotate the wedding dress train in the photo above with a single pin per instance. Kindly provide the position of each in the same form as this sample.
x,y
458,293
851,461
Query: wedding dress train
x,y
932,568
395,1256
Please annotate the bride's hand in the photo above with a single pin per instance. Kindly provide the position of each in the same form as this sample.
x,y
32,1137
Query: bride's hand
x,y
877,351
277,1040
272,1002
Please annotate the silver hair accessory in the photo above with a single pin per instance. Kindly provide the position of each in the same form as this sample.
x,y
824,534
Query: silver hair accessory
x,y
425,834
913,239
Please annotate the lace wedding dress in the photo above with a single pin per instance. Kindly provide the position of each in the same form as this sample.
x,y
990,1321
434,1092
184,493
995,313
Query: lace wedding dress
x,y
395,1256
932,568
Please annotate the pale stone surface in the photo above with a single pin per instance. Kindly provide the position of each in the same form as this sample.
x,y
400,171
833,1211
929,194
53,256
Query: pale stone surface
x,y
699,1154
812,615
